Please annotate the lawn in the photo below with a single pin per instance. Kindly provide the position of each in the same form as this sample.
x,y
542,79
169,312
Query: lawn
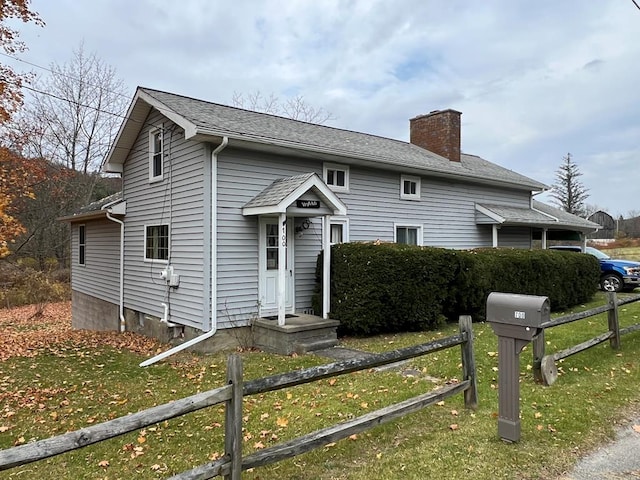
x,y
54,380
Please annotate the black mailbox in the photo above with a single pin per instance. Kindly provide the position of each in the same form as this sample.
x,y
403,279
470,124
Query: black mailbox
x,y
515,319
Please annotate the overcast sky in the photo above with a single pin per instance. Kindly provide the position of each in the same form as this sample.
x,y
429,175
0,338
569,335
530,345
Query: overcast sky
x,y
534,80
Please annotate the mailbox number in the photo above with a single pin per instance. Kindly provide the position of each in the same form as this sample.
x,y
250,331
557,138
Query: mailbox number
x,y
520,315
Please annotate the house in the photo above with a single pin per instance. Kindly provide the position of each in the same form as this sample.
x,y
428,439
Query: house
x,y
223,213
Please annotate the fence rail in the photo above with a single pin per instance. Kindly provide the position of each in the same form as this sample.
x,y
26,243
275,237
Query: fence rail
x,y
544,366
231,464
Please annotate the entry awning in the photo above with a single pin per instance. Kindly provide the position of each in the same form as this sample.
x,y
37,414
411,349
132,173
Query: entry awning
x,y
285,192
539,215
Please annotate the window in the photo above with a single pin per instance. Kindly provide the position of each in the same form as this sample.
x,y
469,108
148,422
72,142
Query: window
x,y
408,234
155,155
339,230
409,187
336,177
156,242
82,244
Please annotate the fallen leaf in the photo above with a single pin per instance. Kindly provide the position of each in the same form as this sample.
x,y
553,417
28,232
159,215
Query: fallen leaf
x,y
453,426
636,428
353,437
258,445
282,422
103,463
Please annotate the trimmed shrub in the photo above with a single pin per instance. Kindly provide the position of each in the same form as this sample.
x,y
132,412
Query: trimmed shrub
x,y
377,288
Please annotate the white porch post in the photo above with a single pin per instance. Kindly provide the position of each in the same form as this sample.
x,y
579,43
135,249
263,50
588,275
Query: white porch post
x,y
544,238
583,240
326,266
282,267
495,236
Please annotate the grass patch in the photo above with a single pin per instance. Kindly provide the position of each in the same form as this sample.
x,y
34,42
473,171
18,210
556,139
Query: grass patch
x,y
77,384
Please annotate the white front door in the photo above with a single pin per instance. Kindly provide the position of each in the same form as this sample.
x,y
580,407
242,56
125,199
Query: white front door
x,y
270,238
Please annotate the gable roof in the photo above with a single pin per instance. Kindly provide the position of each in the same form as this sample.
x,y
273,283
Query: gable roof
x,y
539,215
207,121
278,196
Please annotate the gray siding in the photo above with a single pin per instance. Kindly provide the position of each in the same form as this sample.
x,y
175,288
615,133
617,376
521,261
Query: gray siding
x,y
514,237
177,200
100,275
446,211
241,176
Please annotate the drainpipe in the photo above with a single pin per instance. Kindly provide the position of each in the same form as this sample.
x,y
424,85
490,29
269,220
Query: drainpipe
x,y
214,270
121,307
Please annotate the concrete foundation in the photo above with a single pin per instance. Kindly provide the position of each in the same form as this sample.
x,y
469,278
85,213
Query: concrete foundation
x,y
91,313
300,334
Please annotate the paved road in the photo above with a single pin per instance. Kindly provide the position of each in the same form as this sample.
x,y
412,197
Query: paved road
x,y
617,460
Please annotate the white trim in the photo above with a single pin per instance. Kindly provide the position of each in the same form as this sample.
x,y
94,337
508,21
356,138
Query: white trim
x,y
337,168
413,179
417,226
319,187
490,213
152,153
339,220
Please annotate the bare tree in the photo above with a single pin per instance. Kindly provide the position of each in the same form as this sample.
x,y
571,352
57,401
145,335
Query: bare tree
x,y
73,114
295,108
568,192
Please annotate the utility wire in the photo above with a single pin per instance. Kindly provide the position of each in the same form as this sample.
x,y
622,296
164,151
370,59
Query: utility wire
x,y
62,74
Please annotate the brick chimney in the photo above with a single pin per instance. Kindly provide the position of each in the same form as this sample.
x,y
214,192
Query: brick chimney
x,y
438,132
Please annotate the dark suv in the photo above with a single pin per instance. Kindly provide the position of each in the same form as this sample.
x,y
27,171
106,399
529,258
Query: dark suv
x,y
615,275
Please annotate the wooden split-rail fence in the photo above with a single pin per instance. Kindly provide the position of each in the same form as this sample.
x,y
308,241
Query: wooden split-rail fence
x,y
544,366
232,463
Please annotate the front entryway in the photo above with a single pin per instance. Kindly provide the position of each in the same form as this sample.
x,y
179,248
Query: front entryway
x,y
269,263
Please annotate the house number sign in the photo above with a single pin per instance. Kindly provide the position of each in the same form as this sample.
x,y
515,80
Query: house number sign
x,y
308,203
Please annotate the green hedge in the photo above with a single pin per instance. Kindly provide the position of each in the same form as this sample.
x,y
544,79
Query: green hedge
x,y
393,288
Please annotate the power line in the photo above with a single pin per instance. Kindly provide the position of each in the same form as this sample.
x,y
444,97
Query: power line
x,y
62,74
636,4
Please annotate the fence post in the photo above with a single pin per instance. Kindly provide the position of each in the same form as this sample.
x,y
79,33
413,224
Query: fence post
x,y
538,355
233,418
469,363
612,317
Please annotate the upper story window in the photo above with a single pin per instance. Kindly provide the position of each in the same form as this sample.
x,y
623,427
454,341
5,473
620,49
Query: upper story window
x,y
336,177
156,242
409,187
408,234
82,244
156,145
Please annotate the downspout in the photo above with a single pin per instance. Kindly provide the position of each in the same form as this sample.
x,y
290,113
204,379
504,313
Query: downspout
x,y
121,306
214,271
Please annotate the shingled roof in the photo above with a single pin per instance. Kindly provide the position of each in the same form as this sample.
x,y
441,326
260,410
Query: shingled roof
x,y
201,120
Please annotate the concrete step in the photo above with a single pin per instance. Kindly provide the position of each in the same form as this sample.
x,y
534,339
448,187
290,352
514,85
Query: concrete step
x,y
306,347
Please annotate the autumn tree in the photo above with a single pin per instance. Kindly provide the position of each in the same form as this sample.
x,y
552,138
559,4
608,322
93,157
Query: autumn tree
x,y
15,177
568,191
74,113
295,108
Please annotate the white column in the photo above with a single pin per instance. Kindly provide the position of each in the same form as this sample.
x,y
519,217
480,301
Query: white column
x,y
544,238
326,266
495,236
282,267
583,238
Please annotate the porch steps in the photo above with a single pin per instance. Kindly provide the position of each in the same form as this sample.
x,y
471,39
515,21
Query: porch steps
x,y
306,347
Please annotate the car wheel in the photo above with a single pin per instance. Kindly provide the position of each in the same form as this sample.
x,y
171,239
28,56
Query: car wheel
x,y
611,283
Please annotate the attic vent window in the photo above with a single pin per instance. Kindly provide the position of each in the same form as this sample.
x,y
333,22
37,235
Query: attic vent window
x,y
409,187
336,177
155,155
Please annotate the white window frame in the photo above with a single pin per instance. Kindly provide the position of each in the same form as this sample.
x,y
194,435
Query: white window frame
x,y
413,179
82,245
344,223
336,168
152,154
146,231
417,226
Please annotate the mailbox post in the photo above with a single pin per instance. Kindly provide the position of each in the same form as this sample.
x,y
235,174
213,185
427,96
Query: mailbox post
x,y
515,319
